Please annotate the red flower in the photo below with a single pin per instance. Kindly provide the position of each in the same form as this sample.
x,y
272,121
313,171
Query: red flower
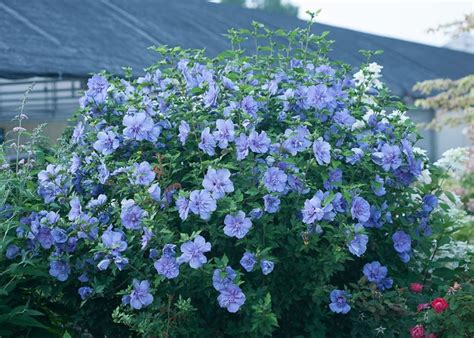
x,y
432,335
416,287
422,307
417,331
439,304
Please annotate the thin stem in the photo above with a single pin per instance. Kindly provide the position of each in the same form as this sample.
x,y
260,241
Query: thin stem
x,y
20,128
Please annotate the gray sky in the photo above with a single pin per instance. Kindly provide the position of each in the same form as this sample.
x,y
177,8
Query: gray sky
x,y
402,19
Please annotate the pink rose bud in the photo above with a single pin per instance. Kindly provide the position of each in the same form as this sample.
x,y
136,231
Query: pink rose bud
x,y
439,304
417,331
422,307
416,287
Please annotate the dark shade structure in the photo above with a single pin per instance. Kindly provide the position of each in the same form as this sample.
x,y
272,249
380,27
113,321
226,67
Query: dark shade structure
x,y
70,39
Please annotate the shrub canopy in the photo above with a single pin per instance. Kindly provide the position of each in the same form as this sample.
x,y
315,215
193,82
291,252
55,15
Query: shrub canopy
x,y
250,194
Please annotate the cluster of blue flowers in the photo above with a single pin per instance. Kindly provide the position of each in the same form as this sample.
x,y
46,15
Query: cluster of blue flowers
x,y
202,157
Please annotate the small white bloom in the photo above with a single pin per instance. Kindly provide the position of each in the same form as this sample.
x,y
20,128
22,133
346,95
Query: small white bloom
x,y
359,78
425,177
454,161
374,68
420,151
367,115
359,124
19,129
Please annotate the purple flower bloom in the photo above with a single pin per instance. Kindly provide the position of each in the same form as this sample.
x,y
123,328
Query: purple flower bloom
x,y
385,284
356,156
237,225
321,150
140,296
12,251
210,96
59,269
231,298
375,272
222,279
402,245
97,202
75,210
182,204
103,173
208,142
275,180
218,182
334,179
97,90
358,245
249,106
266,266
225,133
314,211
272,203
106,142
202,203
256,213
318,96
44,237
388,157
184,131
248,261
167,266
360,209
139,127
146,237
78,134
59,235
193,252
296,140
142,174
85,292
242,147
430,202
131,215
378,186
103,264
339,301
169,250
114,240
343,118
259,143
401,241
155,192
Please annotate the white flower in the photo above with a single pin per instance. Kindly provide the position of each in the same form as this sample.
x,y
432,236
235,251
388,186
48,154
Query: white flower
x,y
399,114
367,115
377,84
454,161
425,177
374,68
359,124
359,78
420,151
19,129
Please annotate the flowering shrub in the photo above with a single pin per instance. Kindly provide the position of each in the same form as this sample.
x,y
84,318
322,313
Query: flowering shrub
x,y
272,193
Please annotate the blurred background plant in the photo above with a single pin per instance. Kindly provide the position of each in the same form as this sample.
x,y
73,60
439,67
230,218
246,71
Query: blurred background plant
x,y
453,102
23,310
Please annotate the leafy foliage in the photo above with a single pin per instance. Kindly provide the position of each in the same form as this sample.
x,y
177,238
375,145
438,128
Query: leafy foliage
x,y
276,193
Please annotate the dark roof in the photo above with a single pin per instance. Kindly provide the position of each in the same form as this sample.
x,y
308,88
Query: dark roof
x,y
72,38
